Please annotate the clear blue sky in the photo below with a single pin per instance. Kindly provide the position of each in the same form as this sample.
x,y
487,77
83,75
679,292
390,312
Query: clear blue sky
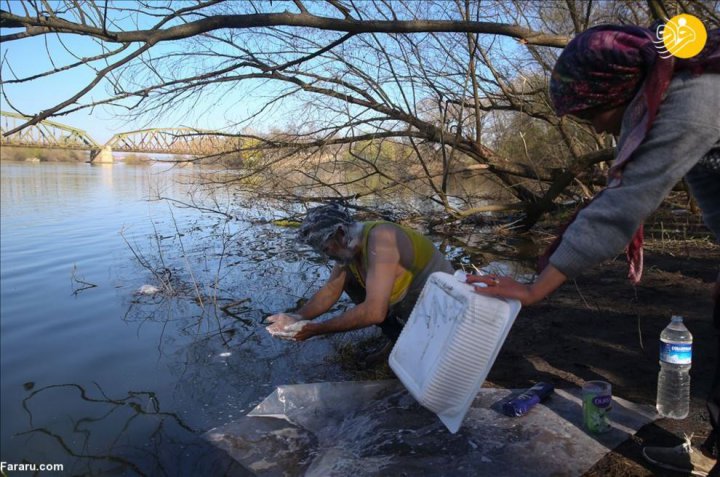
x,y
29,56
218,110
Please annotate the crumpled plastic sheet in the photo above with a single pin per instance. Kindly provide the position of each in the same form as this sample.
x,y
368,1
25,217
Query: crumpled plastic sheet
x,y
376,428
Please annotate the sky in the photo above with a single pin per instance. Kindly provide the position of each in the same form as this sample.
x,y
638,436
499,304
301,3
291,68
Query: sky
x,y
27,57
30,56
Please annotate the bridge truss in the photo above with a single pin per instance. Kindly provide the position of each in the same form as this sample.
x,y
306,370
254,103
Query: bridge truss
x,y
52,135
45,134
185,141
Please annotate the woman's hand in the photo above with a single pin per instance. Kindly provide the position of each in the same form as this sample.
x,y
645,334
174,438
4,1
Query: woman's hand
x,y
549,280
503,287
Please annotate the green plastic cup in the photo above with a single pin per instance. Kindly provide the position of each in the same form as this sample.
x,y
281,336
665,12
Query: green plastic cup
x,y
597,403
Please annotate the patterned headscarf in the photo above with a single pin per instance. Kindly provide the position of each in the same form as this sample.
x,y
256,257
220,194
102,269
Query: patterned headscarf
x,y
611,65
601,68
321,223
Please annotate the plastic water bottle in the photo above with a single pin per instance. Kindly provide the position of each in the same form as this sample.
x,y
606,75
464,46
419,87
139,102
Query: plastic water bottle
x,y
673,390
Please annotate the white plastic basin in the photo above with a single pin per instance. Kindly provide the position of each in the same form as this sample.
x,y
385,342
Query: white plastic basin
x,y
449,344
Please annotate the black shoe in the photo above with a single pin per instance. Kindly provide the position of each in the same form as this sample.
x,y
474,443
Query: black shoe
x,y
683,458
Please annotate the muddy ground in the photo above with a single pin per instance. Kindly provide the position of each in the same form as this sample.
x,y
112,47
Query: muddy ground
x,y
601,327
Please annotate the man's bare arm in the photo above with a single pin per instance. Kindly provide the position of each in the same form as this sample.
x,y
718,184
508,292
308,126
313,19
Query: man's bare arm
x,y
383,262
326,296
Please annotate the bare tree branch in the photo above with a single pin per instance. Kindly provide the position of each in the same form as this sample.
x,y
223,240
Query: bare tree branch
x,y
45,25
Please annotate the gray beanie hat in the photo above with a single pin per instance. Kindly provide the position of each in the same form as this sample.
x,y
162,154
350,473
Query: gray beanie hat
x,y
321,223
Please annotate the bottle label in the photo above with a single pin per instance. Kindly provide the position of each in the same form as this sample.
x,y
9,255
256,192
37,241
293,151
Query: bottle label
x,y
602,401
676,353
596,405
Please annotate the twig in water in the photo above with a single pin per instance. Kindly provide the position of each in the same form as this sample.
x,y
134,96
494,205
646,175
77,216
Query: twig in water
x,y
187,262
234,304
86,285
162,274
195,206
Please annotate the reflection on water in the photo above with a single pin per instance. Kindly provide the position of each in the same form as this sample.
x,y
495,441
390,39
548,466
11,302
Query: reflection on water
x,y
125,435
105,380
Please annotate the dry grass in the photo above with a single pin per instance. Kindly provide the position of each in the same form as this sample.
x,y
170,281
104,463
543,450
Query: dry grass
x,y
42,155
672,246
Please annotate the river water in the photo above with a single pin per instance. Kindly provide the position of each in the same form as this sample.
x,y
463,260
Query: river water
x,y
104,380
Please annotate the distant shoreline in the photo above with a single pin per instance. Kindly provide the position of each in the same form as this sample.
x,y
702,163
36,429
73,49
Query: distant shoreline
x,y
35,155
32,154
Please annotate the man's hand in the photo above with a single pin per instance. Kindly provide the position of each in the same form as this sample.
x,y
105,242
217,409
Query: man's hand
x,y
286,325
305,331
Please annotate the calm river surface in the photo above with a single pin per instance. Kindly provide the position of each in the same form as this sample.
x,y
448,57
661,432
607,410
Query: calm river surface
x,y
111,382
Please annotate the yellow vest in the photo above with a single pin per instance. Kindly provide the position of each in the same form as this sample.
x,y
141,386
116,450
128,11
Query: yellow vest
x,y
423,250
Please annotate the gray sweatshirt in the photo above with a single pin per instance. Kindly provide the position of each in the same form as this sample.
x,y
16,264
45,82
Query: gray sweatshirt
x,y
686,129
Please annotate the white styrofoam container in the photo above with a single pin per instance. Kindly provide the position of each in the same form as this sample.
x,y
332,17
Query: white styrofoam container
x,y
449,344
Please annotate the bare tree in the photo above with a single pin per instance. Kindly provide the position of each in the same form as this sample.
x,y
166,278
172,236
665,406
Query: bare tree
x,y
370,96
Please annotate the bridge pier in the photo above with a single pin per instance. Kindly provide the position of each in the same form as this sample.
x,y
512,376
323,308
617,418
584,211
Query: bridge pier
x,y
102,156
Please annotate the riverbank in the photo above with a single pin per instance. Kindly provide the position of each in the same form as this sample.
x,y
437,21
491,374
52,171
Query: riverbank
x,y
34,154
600,326
162,369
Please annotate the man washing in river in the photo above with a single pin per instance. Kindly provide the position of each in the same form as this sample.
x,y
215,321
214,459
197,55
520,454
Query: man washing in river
x,y
382,267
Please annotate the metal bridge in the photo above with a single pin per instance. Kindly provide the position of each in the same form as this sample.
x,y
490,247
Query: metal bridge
x,y
53,135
